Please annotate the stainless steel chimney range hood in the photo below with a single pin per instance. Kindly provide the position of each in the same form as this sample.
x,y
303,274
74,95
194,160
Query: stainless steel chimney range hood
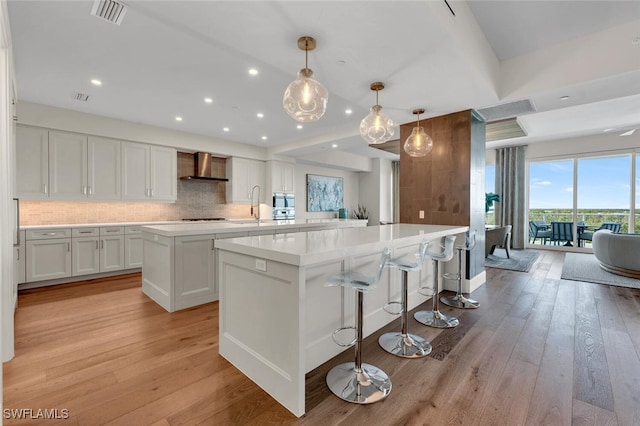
x,y
202,169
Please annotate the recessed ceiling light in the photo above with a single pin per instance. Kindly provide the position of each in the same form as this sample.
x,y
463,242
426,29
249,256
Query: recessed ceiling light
x,y
636,40
178,118
208,100
264,138
259,115
299,126
629,133
225,129
348,111
253,71
564,98
334,145
96,82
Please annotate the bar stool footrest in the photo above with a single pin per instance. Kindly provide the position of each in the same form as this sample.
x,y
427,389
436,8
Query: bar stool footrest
x,y
460,301
451,276
426,291
339,340
389,308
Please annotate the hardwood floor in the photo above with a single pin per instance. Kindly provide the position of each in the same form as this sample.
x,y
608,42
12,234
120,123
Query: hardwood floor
x,y
539,350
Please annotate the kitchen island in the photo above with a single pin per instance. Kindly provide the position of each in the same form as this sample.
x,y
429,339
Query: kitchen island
x,y
277,315
179,261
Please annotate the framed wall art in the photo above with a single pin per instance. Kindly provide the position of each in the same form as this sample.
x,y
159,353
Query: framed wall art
x,y
324,193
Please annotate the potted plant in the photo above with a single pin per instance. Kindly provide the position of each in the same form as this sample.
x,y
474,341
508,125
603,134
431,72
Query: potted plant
x,y
361,212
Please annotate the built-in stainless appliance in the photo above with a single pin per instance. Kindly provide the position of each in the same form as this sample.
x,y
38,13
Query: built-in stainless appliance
x,y
202,168
284,206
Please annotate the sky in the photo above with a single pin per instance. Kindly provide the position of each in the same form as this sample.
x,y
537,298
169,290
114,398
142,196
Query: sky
x,y
603,183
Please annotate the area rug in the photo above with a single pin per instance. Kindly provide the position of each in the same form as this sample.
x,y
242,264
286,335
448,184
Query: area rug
x,y
521,260
585,267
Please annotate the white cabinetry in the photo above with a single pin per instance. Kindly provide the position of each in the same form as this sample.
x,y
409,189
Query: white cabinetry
x,y
282,177
32,163
19,265
66,166
243,175
132,247
97,250
149,172
195,280
48,254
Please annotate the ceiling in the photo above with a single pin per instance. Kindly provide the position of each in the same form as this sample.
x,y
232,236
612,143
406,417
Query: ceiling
x,y
167,56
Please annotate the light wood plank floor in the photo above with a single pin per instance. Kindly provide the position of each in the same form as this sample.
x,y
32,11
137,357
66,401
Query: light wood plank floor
x,y
539,351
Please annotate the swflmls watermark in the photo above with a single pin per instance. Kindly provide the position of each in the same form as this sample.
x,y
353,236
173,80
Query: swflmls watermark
x,y
35,413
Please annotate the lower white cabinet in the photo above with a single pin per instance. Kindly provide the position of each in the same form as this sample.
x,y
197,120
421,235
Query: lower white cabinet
x,y
19,264
48,259
195,281
132,247
101,251
85,256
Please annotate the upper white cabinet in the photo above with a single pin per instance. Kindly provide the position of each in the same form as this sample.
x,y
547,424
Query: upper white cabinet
x,y
243,175
149,172
104,168
66,166
32,163
282,176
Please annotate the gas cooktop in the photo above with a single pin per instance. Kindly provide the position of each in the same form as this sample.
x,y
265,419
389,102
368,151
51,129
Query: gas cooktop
x,y
203,219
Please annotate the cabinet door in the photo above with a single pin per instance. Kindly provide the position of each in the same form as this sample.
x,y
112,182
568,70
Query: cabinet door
x,y
67,166
111,253
133,251
85,256
19,264
288,177
48,259
104,171
163,174
194,271
237,190
277,182
135,167
257,177
32,163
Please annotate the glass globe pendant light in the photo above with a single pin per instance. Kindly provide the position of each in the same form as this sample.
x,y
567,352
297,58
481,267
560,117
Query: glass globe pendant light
x,y
376,127
305,99
418,144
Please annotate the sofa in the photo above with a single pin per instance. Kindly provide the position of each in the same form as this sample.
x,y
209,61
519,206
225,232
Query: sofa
x,y
618,253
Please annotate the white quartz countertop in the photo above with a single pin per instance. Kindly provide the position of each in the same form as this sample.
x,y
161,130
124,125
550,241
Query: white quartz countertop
x,y
320,246
220,227
97,225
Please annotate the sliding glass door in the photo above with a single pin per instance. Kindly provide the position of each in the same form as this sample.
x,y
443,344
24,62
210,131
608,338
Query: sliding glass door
x,y
571,198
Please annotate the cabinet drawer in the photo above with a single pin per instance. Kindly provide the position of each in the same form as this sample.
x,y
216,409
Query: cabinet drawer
x,y
112,230
46,234
84,232
132,229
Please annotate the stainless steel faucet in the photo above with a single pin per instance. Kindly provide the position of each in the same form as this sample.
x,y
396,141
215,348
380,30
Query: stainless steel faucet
x,y
256,216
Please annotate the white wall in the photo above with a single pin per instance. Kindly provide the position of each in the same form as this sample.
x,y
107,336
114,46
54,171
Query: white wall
x,y
351,190
375,191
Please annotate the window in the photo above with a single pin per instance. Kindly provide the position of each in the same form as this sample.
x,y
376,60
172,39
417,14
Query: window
x,y
489,187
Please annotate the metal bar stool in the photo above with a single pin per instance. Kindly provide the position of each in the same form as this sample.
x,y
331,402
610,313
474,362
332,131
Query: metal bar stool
x,y
435,318
402,343
460,300
358,382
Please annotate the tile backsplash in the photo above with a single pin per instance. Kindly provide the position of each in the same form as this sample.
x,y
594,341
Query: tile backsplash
x,y
196,199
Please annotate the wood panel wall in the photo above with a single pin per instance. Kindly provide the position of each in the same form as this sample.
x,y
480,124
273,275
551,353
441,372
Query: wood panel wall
x,y
447,184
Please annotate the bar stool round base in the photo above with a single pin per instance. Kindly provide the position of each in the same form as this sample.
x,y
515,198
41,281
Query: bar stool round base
x,y
405,346
459,301
367,386
436,319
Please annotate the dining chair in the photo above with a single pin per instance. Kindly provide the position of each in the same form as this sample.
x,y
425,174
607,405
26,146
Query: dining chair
x,y
562,231
538,231
614,227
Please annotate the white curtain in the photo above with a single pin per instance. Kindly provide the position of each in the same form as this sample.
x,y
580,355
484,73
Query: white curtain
x,y
510,186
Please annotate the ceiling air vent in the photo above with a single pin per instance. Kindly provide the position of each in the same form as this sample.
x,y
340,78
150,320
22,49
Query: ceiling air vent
x,y
80,96
504,129
109,10
508,110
